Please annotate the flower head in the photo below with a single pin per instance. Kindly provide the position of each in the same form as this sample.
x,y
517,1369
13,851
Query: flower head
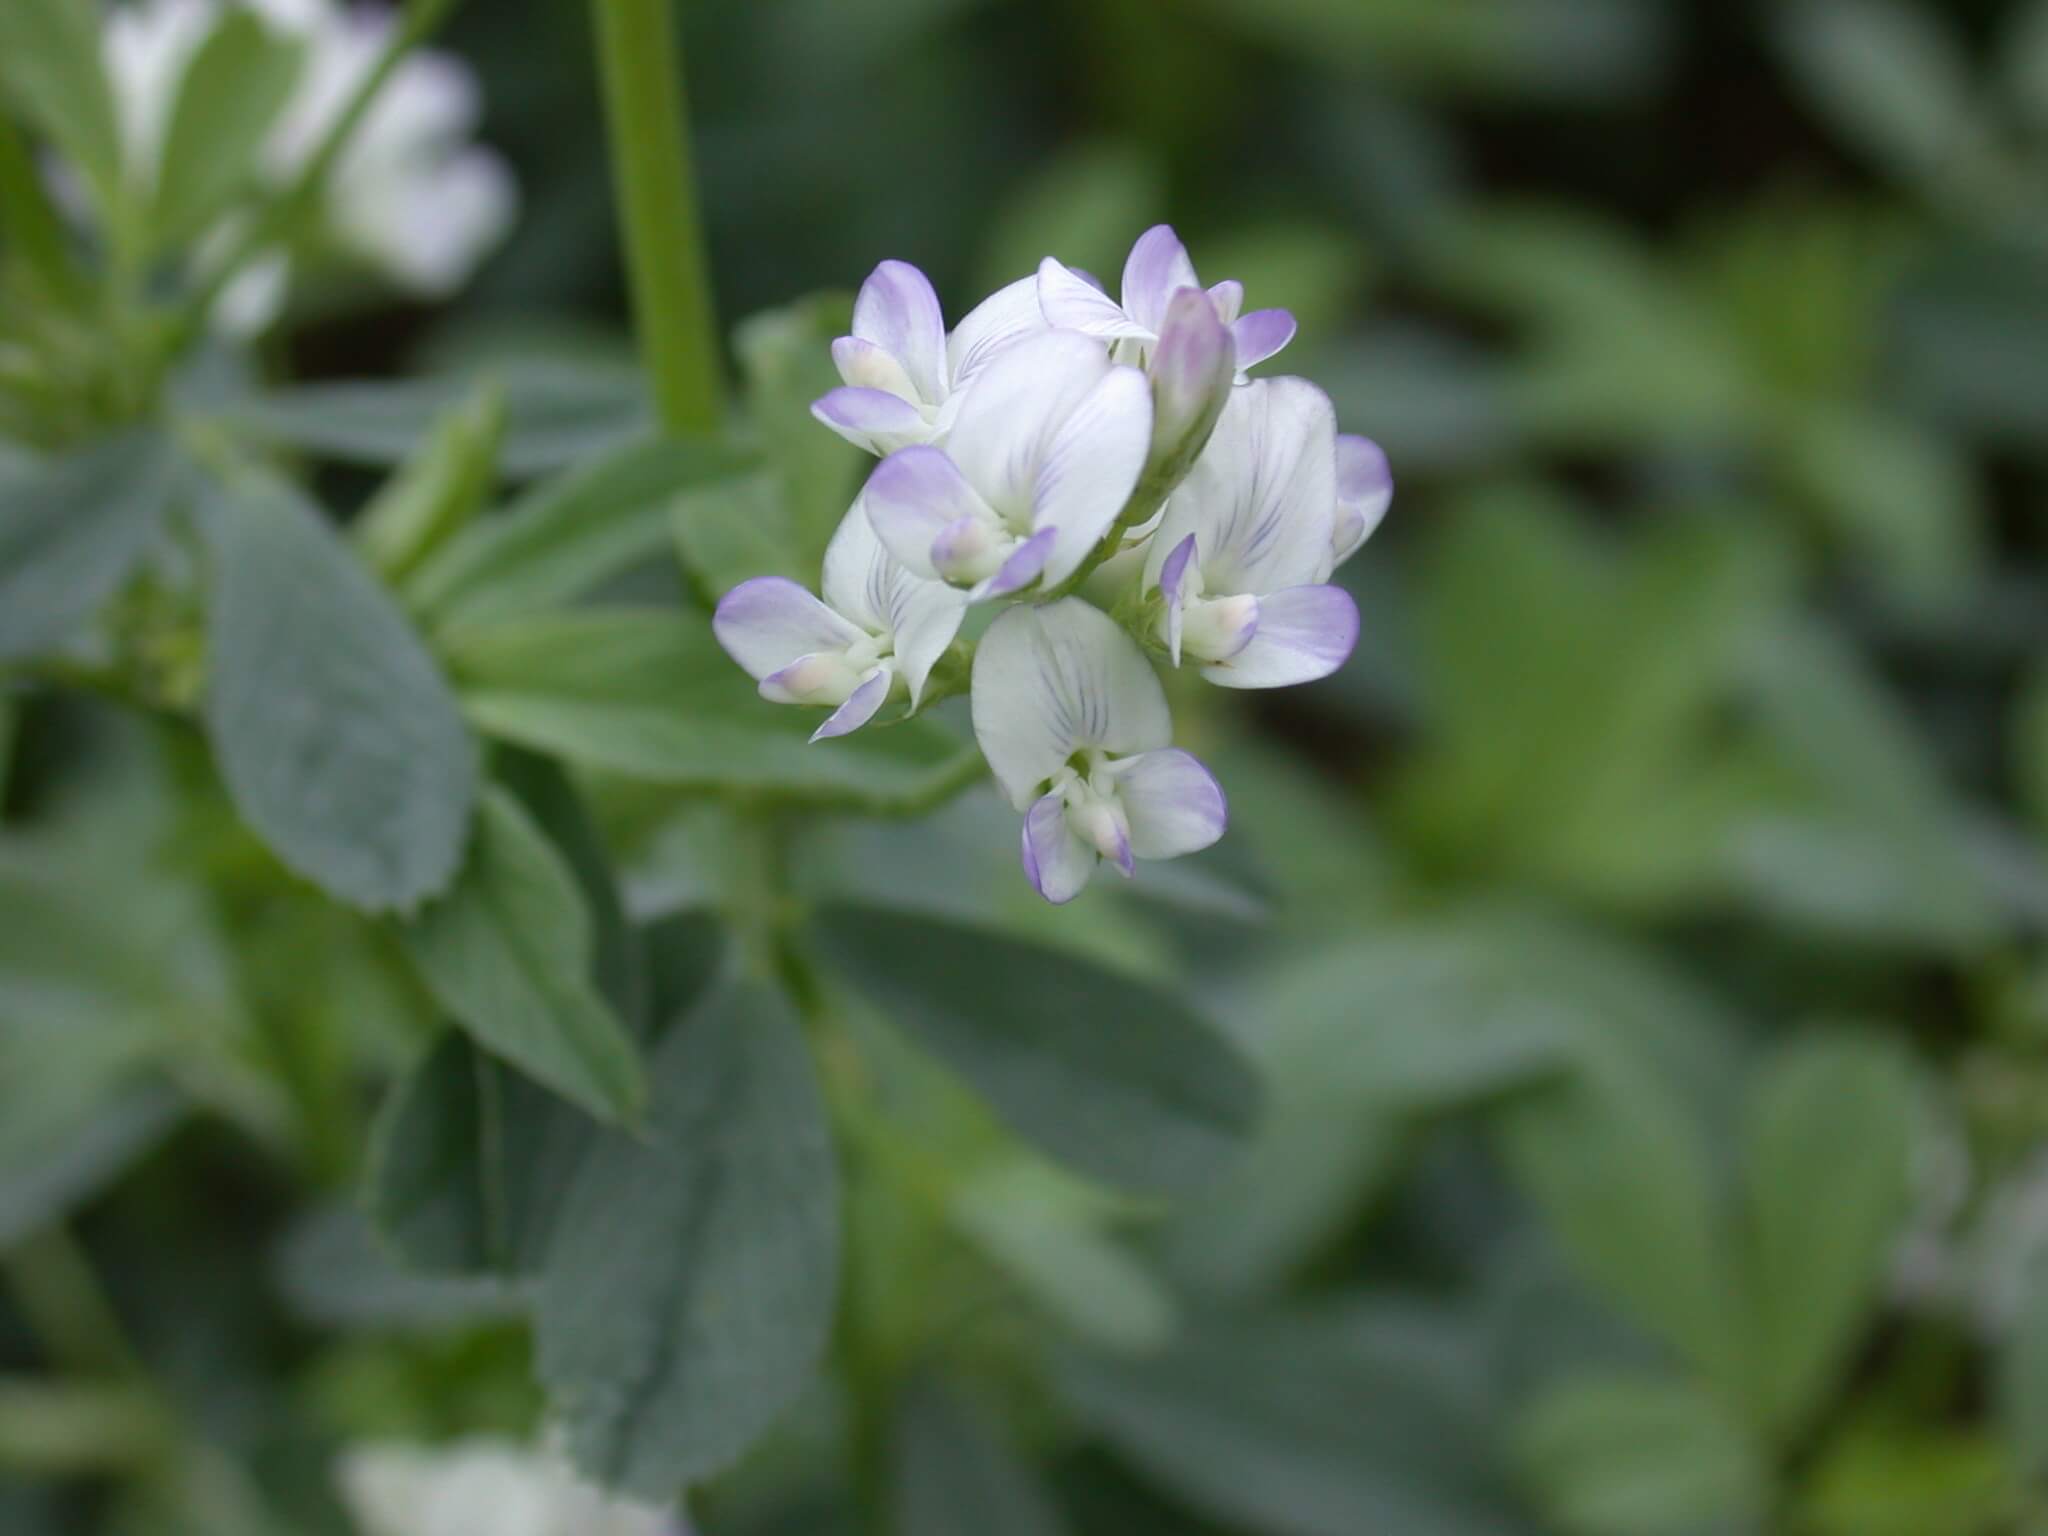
x,y
1157,269
412,195
1074,725
484,1487
879,631
1245,545
1046,448
904,375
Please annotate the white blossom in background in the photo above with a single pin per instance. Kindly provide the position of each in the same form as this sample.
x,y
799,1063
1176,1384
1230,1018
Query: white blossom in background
x,y
877,634
484,1487
1157,269
1075,727
413,196
904,375
1240,557
1060,439
1045,451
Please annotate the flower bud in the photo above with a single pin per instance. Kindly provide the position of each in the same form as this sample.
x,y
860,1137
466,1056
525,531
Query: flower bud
x,y
1192,369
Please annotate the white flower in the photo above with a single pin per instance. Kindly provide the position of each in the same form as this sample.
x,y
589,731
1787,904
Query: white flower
x,y
1241,554
411,195
1074,725
904,375
483,1487
1047,447
1157,268
879,631
1365,490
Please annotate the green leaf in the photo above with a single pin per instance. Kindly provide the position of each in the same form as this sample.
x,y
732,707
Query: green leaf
x,y
1894,76
2023,61
1623,1457
50,66
437,491
952,1472
786,357
91,1154
648,693
1911,1479
334,1275
1118,1078
1825,1181
72,531
1047,1234
689,1292
230,94
1621,1173
508,953
568,535
337,735
557,415
1318,1426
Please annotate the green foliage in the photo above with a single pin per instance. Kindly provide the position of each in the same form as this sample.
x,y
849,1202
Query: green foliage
x,y
948,1459
72,531
50,69
335,730
1117,1078
232,91
689,1288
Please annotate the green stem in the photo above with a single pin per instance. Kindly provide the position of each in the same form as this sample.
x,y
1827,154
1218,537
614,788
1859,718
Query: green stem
x,y
422,19
640,63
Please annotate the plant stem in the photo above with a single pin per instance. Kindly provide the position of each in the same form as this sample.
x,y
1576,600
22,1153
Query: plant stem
x,y
640,63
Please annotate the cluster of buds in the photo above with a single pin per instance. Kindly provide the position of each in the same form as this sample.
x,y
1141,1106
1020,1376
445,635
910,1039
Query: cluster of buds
x,y
1059,446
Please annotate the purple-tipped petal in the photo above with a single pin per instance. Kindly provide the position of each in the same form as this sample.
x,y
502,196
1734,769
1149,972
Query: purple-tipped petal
x,y
1157,269
769,623
1173,803
1192,369
1365,490
898,311
1304,633
1171,576
1022,567
1260,334
1228,299
913,497
1056,861
1070,302
859,708
872,419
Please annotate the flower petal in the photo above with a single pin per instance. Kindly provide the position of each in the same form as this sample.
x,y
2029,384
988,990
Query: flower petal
x,y
1263,495
1014,408
1056,860
1365,490
1171,578
860,705
1157,269
1006,316
1070,302
1304,633
1021,568
858,569
1228,299
1051,680
865,365
770,622
925,616
912,497
898,311
1173,803
1260,334
1192,371
1090,468
872,419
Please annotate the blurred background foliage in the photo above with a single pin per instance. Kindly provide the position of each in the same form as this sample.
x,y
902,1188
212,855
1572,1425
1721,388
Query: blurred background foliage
x,y
1642,939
